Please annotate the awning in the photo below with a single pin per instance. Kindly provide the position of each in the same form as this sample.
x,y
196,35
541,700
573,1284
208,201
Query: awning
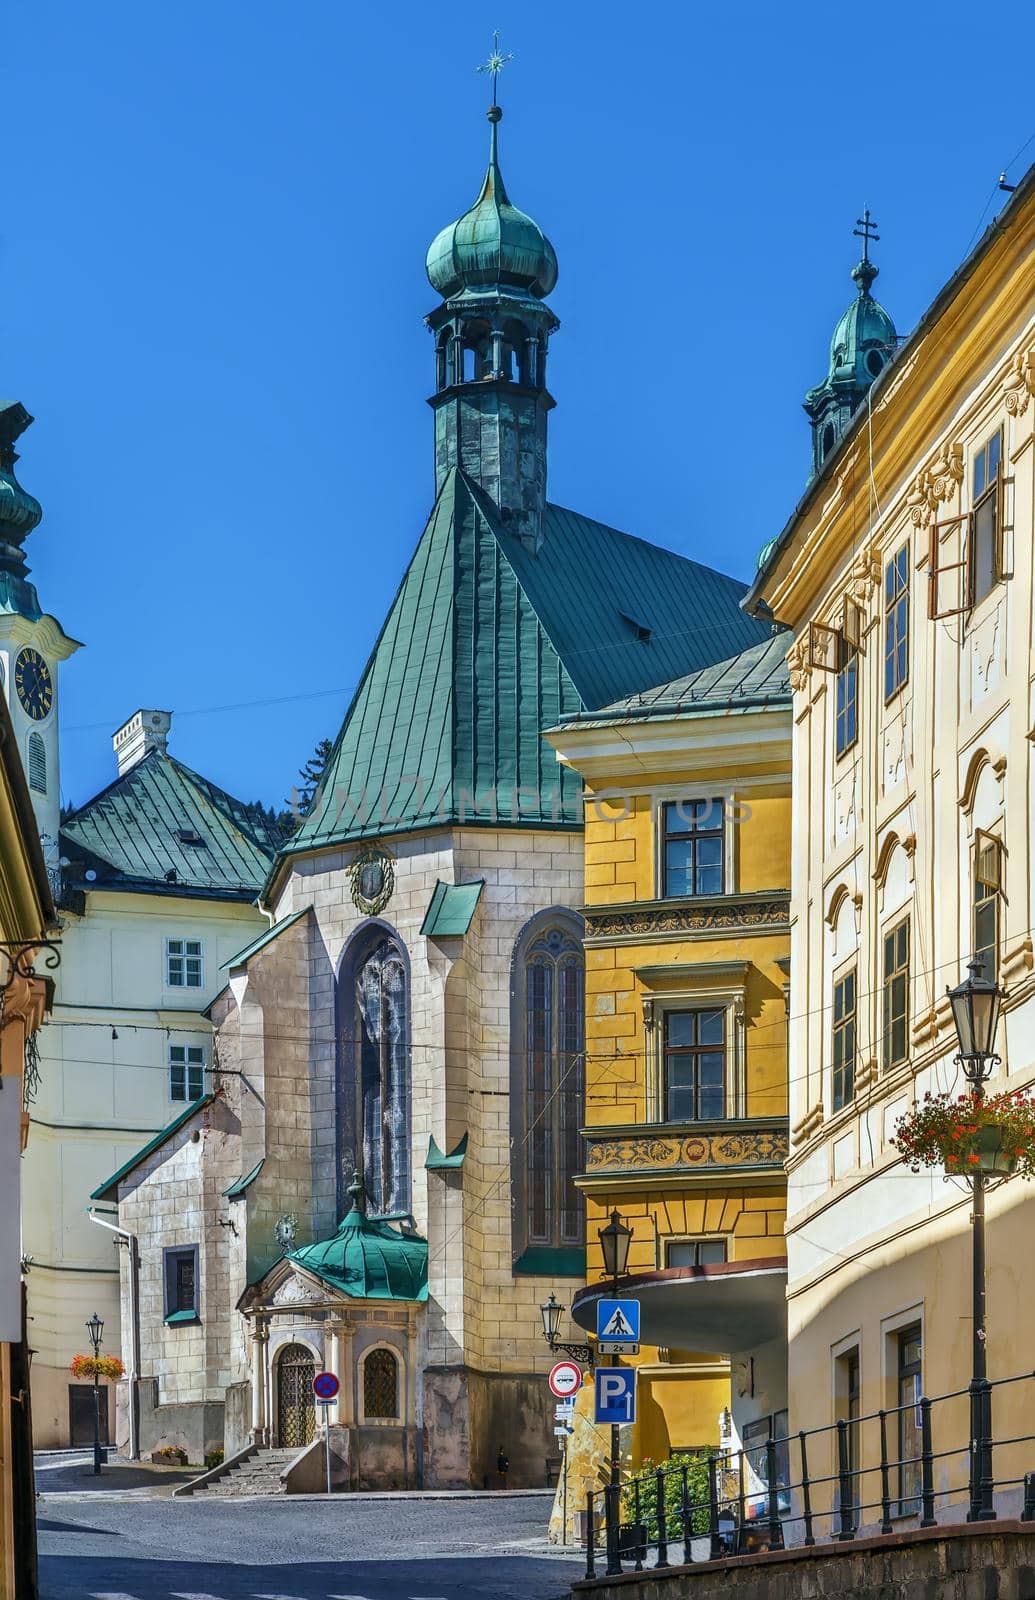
x,y
728,1308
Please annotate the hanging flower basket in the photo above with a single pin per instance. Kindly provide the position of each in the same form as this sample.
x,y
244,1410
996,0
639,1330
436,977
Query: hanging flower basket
x,y
965,1135
101,1367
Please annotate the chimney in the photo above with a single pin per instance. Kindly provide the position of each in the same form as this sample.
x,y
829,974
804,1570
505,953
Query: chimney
x,y
145,731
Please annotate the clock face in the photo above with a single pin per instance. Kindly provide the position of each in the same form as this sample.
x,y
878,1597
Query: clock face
x,y
34,684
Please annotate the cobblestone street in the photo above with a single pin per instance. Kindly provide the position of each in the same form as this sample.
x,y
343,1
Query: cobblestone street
x,y
145,1546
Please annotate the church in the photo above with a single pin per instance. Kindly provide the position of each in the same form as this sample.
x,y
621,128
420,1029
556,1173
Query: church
x,y
378,1178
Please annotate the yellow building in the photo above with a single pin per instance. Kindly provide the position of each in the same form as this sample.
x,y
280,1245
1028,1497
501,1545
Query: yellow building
x,y
687,937
907,575
26,914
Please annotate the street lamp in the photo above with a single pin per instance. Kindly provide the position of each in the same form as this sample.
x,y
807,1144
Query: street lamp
x,y
614,1244
975,1006
550,1311
95,1327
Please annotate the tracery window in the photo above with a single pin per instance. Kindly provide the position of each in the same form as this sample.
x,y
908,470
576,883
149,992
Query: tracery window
x,y
381,1386
547,1102
374,1079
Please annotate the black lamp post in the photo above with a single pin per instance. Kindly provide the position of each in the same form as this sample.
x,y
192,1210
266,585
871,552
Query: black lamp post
x,y
550,1311
975,1005
614,1243
95,1327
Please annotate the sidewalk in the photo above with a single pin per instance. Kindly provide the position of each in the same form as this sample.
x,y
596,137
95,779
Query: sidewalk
x,y
71,1472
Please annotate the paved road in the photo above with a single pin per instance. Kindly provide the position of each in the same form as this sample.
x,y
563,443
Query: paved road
x,y
101,1548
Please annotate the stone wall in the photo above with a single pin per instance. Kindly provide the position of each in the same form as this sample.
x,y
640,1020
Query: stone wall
x,y
193,1426
989,1562
470,1416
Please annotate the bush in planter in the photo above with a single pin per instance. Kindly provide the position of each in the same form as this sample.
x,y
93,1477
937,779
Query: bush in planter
x,y
965,1135
696,1493
214,1458
170,1455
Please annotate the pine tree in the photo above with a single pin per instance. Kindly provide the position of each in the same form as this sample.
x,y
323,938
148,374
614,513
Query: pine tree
x,y
308,780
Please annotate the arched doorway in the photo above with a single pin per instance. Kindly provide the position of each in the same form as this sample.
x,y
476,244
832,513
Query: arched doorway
x,y
296,1407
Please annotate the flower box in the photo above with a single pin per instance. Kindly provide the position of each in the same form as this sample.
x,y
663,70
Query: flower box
x,y
169,1456
969,1136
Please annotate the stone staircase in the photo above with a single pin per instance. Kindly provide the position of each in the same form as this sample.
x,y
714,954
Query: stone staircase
x,y
258,1474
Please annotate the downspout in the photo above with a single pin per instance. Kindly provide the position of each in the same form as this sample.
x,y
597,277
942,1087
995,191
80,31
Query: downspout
x,y
134,1329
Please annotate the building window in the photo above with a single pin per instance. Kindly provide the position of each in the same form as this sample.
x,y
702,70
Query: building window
x,y
694,847
986,560
694,1067
186,1072
548,1083
848,1409
896,622
910,1388
181,1283
896,995
988,884
374,1082
183,963
694,1252
37,763
381,1386
846,720
844,1039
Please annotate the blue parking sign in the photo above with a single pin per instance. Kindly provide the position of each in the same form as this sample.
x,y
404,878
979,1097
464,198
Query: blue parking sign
x,y
615,1393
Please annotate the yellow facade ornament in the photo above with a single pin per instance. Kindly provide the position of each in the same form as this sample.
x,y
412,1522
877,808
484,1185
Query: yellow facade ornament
x,y
934,484
1019,383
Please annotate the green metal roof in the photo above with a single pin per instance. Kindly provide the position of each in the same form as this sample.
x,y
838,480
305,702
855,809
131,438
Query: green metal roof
x,y
263,940
236,1190
486,644
551,1261
109,1190
369,1259
452,909
138,832
437,1162
755,680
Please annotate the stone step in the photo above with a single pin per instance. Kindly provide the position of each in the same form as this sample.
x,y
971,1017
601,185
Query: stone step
x,y
259,1475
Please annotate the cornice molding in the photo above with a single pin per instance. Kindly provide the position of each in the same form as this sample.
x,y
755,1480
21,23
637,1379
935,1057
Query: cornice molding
x,y
647,919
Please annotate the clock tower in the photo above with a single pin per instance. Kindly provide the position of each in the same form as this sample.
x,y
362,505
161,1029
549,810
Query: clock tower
x,y
32,644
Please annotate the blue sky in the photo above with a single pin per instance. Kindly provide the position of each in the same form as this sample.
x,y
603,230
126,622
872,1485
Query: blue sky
x,y
211,259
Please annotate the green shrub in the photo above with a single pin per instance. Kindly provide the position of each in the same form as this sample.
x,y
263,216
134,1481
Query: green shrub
x,y
696,1494
214,1458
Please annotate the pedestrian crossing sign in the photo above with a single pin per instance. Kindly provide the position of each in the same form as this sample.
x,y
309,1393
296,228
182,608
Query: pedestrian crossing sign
x,y
618,1321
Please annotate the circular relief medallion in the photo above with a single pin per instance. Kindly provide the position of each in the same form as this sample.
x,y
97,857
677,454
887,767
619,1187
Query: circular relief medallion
x,y
372,878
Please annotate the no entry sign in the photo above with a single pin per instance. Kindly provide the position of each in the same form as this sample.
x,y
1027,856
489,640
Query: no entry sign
x,y
565,1379
325,1386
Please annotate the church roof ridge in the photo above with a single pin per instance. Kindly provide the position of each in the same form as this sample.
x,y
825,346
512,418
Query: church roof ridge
x,y
480,619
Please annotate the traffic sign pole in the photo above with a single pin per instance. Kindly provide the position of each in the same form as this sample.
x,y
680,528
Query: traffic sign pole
x,y
325,1389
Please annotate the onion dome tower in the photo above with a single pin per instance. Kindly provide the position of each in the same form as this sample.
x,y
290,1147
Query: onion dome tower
x,y
493,268
863,343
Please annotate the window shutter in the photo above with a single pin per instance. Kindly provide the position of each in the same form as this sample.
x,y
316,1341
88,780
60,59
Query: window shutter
x,y
942,600
824,647
852,624
988,861
1002,525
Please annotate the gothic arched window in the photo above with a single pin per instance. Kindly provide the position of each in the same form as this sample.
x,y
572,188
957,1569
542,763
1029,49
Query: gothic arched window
x,y
548,1083
374,1075
37,763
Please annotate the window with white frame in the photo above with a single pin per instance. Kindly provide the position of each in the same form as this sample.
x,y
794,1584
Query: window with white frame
x,y
184,967
186,1072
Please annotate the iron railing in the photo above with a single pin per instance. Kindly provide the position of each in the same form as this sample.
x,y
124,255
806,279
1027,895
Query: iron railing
x,y
752,1503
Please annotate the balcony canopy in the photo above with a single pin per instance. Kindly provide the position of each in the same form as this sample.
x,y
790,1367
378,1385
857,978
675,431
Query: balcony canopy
x,y
729,1308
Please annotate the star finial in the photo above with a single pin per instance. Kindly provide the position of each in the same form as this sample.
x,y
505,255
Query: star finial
x,y
496,62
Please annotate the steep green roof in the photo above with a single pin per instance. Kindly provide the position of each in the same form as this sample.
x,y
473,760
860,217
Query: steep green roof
x,y
438,1161
452,909
486,644
754,680
162,827
236,1190
263,940
369,1259
109,1190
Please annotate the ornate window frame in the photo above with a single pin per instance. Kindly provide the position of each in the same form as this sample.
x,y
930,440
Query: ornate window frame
x,y
715,985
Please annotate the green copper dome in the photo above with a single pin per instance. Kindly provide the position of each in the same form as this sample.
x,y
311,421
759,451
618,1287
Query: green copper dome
x,y
368,1258
493,245
863,341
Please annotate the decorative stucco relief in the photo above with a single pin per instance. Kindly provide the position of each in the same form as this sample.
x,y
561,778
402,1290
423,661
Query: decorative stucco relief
x,y
934,484
1019,384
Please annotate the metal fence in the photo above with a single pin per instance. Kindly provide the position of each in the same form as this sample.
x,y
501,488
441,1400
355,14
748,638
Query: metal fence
x,y
910,1465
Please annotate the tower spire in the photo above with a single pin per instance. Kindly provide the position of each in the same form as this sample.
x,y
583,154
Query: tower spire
x,y
864,271
494,66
